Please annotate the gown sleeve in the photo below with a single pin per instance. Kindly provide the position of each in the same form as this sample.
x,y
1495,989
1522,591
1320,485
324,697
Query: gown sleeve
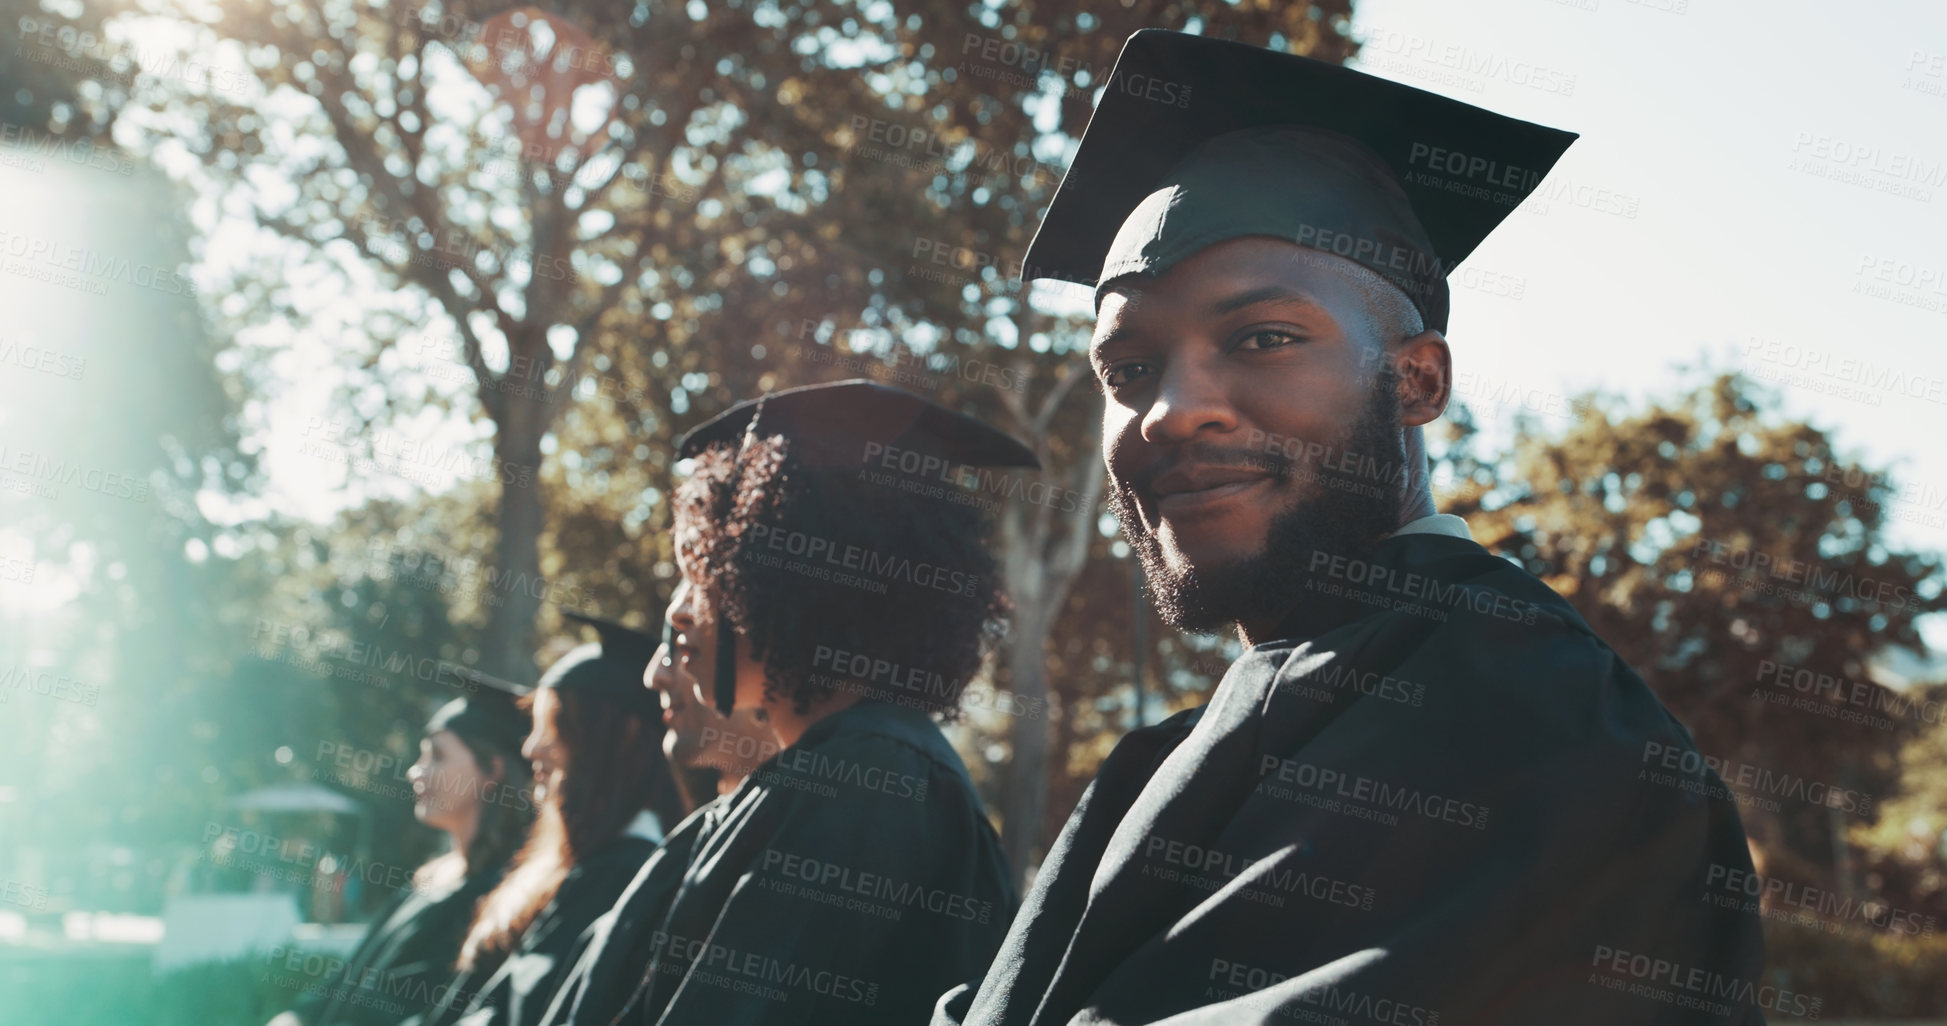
x,y
602,963
314,1002
404,968
522,983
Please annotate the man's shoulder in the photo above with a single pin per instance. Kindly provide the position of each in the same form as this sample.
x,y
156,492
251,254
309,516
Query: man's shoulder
x,y
1474,601
1517,654
649,881
867,797
1470,585
1478,645
874,736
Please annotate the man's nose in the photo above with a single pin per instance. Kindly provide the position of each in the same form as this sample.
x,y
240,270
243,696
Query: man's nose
x,y
1189,398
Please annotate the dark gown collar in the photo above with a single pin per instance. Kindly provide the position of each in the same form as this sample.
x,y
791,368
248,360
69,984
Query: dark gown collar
x,y
1347,588
910,727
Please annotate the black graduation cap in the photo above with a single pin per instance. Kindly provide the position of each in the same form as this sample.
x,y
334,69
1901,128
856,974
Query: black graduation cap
x,y
485,720
612,667
835,426
1199,140
831,425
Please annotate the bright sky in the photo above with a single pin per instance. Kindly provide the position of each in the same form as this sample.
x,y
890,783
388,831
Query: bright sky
x,y
1787,168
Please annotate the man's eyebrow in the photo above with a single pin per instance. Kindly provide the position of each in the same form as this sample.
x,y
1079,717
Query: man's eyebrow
x,y
1228,304
1120,333
1268,293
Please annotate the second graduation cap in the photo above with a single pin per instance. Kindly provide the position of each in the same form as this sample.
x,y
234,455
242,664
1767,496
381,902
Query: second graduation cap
x,y
840,425
612,668
1199,140
487,720
832,426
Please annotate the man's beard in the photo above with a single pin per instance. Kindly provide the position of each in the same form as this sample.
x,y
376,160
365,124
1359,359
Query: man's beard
x,y
1344,515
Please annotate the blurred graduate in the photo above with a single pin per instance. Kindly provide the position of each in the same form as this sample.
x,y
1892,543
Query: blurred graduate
x,y
713,750
1427,792
697,736
606,796
852,876
470,781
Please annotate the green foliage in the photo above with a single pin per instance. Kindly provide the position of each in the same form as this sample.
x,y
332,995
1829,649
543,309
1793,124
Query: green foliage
x,y
1858,974
764,195
61,77
1905,851
1710,541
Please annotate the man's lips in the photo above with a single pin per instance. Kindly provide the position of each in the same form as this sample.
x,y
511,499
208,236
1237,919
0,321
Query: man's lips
x,y
1194,487
668,685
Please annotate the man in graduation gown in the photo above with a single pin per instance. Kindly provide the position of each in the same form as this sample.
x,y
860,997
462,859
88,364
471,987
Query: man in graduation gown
x,y
1427,792
853,876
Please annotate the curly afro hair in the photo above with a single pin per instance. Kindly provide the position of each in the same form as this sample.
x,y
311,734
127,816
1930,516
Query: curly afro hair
x,y
839,583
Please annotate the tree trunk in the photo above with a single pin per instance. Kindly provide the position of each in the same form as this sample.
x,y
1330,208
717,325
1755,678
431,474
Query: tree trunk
x,y
1024,799
518,588
1046,548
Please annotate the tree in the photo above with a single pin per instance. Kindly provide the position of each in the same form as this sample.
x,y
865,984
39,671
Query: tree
x,y
658,193
450,156
1903,856
65,79
1733,557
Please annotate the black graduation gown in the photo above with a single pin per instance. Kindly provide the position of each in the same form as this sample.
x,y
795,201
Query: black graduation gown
x,y
1440,799
404,965
514,990
851,879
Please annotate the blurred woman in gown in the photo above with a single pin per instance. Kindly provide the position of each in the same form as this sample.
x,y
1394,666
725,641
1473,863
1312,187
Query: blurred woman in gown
x,y
471,781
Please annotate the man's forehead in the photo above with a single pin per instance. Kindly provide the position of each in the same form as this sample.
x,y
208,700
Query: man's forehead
x,y
1233,275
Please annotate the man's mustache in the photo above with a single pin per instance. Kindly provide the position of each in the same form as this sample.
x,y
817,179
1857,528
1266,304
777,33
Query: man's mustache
x,y
1215,457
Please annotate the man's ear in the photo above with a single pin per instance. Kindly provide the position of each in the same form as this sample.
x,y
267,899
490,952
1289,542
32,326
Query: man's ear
x,y
1425,368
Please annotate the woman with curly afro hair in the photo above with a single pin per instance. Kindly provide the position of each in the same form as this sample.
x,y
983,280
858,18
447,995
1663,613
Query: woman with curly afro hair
x,y
846,594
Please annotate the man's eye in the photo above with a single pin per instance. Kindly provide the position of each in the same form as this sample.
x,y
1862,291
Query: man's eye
x,y
1122,373
1266,338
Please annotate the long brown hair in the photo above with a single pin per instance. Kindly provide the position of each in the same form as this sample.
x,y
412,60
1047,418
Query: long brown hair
x,y
615,768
